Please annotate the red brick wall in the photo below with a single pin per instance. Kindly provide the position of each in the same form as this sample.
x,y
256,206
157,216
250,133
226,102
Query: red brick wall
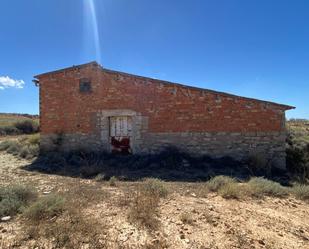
x,y
170,108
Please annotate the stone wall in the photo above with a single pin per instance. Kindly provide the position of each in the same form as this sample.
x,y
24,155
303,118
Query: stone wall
x,y
239,146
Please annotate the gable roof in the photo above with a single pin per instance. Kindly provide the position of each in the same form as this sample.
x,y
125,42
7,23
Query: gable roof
x,y
97,65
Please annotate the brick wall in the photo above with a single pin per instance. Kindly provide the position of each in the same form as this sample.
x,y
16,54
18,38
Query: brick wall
x,y
164,109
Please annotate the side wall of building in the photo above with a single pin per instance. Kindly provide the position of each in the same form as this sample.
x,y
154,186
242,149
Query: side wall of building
x,y
194,120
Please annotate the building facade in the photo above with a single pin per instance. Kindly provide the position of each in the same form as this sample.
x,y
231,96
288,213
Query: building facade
x,y
99,109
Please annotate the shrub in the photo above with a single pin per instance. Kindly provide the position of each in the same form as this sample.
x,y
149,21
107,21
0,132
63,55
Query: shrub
x,y
25,147
298,162
9,130
259,186
153,186
14,198
144,209
231,191
46,207
301,191
100,177
258,164
113,181
6,144
27,126
214,184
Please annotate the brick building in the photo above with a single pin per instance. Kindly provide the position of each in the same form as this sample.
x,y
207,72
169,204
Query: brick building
x,y
100,109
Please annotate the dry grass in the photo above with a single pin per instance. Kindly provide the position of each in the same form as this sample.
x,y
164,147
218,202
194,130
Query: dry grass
x,y
145,202
231,190
259,187
46,207
216,183
14,198
301,192
24,147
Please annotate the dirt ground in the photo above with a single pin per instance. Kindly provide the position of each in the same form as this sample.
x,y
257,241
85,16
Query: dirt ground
x,y
216,222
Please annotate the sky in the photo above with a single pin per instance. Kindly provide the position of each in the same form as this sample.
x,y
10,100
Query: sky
x,y
252,48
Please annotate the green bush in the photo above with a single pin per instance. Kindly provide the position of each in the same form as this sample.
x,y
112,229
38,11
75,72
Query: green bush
x,y
45,207
14,198
259,187
217,182
155,187
301,191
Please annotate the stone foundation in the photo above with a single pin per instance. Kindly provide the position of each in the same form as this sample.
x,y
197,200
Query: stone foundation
x,y
270,145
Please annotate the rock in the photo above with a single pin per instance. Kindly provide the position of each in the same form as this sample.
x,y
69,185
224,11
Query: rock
x,y
193,194
4,230
261,242
6,218
46,192
182,236
187,240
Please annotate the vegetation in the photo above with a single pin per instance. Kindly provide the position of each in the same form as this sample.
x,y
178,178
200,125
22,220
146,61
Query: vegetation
x,y
216,183
144,208
14,124
298,149
260,187
14,198
45,208
301,191
24,147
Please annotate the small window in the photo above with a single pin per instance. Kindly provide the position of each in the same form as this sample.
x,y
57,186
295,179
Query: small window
x,y
85,86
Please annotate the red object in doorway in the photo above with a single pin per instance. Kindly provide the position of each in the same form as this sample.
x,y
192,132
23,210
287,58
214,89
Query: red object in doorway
x,y
121,145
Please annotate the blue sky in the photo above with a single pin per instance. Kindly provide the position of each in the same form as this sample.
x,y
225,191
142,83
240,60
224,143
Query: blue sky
x,y
251,48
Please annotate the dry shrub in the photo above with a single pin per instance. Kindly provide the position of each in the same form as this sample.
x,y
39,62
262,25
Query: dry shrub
x,y
113,181
216,183
155,187
259,187
24,147
187,218
231,191
45,208
14,198
301,191
70,230
61,223
144,209
145,203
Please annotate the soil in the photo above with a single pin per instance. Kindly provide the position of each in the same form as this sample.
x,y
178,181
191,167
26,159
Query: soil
x,y
215,222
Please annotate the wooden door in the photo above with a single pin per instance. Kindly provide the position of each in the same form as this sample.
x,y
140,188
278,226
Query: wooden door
x,y
120,134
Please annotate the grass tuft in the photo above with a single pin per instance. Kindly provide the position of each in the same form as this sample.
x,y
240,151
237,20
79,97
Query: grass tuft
x,y
216,183
46,207
14,198
301,192
259,187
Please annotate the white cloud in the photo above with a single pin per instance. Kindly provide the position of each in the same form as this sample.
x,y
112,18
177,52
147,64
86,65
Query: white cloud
x,y
6,82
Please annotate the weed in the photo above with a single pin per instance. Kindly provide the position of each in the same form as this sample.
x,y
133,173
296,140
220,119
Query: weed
x,y
259,186
14,198
46,207
301,191
231,190
155,187
214,184
113,181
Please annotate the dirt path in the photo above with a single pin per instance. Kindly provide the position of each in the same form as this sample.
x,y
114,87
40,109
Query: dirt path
x,y
214,222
